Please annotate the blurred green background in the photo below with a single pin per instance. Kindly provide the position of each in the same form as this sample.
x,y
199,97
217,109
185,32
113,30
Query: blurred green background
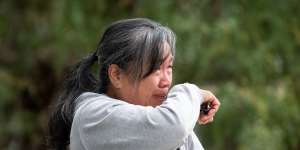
x,y
246,52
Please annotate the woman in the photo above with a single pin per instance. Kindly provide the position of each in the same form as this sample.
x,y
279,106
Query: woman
x,y
129,106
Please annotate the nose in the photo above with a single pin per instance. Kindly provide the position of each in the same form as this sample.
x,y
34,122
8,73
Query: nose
x,y
165,79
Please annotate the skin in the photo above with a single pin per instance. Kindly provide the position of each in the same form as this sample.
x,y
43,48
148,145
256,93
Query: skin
x,y
152,90
215,104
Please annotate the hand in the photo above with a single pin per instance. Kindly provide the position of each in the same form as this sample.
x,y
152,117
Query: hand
x,y
214,106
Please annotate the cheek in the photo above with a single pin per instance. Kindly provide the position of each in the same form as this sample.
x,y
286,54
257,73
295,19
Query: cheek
x,y
147,88
151,83
170,74
171,77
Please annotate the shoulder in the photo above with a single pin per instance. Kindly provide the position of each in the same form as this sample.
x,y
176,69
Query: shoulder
x,y
90,106
93,100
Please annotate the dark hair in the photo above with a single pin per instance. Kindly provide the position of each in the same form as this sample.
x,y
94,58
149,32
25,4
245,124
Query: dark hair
x,y
135,45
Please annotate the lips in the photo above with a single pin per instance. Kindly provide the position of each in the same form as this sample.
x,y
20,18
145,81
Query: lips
x,y
160,96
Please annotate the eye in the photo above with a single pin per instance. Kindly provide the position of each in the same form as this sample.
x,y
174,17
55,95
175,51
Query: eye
x,y
170,69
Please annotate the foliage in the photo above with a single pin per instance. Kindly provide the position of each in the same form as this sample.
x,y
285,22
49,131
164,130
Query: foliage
x,y
247,52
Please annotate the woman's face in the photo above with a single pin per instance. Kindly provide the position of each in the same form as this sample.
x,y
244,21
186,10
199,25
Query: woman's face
x,y
152,90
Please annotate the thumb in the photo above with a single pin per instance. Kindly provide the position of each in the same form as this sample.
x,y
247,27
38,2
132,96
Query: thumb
x,y
207,96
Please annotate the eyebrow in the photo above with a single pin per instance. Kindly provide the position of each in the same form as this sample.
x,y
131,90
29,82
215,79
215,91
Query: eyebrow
x,y
165,58
171,59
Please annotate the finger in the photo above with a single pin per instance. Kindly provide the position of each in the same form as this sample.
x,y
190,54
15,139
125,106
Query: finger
x,y
215,104
206,117
207,121
211,120
216,101
211,97
212,112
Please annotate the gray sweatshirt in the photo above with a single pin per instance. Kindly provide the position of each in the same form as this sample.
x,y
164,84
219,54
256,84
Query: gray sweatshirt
x,y
103,123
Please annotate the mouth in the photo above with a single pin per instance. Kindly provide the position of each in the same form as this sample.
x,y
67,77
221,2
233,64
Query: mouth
x,y
160,97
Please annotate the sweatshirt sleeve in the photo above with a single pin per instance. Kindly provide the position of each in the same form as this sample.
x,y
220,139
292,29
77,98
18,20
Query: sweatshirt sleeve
x,y
133,127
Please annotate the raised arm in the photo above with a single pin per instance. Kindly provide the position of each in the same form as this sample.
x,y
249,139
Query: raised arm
x,y
132,127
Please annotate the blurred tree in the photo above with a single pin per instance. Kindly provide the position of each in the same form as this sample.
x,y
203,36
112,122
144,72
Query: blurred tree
x,y
247,52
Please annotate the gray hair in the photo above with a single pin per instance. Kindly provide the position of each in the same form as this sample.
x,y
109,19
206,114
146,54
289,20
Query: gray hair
x,y
135,45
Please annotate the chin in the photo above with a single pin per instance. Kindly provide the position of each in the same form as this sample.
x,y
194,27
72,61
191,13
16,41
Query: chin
x,y
156,102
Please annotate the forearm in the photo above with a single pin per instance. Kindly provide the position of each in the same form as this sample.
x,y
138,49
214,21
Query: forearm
x,y
139,127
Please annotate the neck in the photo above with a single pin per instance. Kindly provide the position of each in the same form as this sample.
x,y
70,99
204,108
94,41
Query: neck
x,y
111,92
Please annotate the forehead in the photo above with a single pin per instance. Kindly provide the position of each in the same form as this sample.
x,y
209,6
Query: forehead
x,y
167,53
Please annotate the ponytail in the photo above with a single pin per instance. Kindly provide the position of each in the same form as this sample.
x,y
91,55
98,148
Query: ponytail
x,y
131,44
77,81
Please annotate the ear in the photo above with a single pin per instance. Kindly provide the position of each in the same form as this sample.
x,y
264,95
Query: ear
x,y
115,75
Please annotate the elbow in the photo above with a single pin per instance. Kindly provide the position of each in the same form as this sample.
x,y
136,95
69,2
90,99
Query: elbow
x,y
169,125
178,130
178,134
178,125
181,130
